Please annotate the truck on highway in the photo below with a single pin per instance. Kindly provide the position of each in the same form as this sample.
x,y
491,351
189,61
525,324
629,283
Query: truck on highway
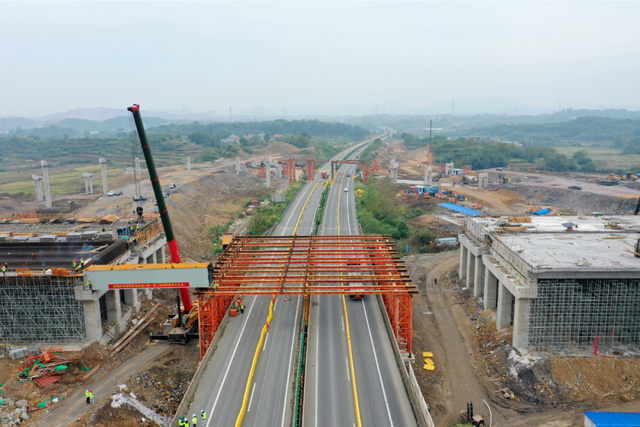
x,y
358,289
325,174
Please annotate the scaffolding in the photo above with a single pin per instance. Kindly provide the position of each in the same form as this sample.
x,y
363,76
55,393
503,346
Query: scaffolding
x,y
571,313
40,309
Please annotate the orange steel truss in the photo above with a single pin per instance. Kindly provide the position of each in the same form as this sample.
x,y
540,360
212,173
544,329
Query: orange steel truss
x,y
466,169
311,170
364,168
376,166
309,265
292,170
262,172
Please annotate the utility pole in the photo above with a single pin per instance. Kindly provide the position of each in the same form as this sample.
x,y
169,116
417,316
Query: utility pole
x,y
430,152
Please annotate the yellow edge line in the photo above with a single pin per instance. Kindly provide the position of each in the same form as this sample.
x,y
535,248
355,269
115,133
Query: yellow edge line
x,y
245,399
247,389
346,321
295,230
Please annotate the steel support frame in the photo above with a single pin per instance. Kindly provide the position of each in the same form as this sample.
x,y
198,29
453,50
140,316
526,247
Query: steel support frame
x,y
400,311
364,167
262,172
308,265
311,170
291,165
376,166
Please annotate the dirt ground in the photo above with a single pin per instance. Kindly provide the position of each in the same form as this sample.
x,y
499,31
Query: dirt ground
x,y
158,383
473,361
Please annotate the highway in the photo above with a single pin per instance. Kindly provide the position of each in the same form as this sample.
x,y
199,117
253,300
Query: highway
x,y
329,397
223,385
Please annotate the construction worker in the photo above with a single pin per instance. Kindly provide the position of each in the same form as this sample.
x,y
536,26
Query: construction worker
x,y
88,396
4,269
606,224
194,421
81,262
180,423
242,308
203,414
185,420
75,263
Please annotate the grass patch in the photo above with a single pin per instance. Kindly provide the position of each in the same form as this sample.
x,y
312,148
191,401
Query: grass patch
x,y
607,159
61,183
381,212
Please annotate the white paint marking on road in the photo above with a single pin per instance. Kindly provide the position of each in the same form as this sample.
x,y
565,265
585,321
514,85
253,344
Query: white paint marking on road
x,y
343,324
266,338
275,304
375,356
295,209
317,360
251,398
293,341
224,379
346,359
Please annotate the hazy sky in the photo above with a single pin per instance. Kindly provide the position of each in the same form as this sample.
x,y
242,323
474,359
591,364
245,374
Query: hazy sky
x,y
56,56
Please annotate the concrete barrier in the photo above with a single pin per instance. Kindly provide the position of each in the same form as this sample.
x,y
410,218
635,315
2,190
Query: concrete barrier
x,y
197,377
413,394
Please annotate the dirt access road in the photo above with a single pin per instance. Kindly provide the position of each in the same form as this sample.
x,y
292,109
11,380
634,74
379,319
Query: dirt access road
x,y
460,376
75,406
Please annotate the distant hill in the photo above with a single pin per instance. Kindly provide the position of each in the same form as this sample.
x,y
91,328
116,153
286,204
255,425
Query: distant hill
x,y
599,130
87,114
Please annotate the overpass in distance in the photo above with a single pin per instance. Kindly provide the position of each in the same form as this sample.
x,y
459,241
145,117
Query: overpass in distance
x,y
330,375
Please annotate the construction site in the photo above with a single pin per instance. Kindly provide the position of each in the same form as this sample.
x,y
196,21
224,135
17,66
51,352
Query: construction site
x,y
97,297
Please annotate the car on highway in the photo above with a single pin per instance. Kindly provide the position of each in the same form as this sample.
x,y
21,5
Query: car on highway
x,y
499,169
111,193
346,189
348,175
172,185
575,187
119,193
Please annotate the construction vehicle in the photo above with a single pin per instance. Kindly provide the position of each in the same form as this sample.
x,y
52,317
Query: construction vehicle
x,y
502,179
469,179
226,240
474,420
185,327
179,334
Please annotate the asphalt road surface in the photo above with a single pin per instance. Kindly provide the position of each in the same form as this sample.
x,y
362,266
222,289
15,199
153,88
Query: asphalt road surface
x,y
329,399
221,390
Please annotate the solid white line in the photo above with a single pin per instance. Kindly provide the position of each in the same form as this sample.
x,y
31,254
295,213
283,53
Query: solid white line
x,y
343,324
224,379
295,209
375,356
293,341
346,359
275,304
251,398
266,338
317,360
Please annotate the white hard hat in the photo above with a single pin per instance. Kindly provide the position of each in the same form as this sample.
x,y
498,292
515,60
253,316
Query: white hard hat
x,y
87,391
